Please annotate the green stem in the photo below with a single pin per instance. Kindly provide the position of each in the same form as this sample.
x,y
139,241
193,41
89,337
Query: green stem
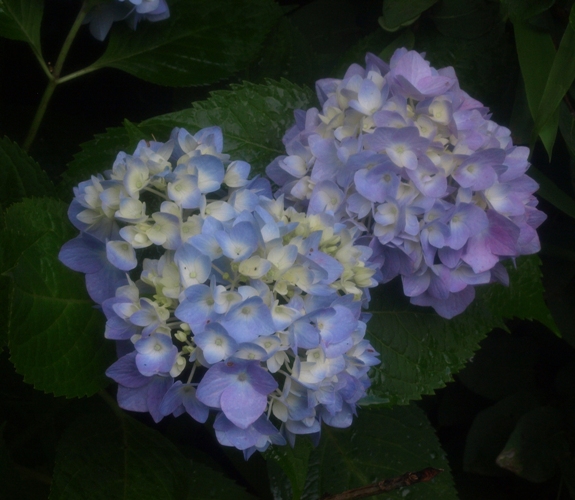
x,y
54,78
86,6
78,73
39,114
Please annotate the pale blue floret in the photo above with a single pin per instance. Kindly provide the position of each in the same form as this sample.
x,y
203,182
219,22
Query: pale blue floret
x,y
258,436
182,398
248,320
239,388
198,307
216,343
239,243
183,189
156,354
194,266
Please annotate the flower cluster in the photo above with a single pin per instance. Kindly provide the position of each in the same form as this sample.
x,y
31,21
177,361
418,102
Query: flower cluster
x,y
401,152
220,297
102,16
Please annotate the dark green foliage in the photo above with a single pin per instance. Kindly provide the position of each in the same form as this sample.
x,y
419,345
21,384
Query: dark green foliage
x,y
20,176
288,468
20,20
112,456
202,42
386,443
397,13
378,448
55,334
524,9
421,351
466,19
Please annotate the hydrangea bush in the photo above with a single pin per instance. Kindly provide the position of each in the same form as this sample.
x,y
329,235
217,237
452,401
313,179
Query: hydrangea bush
x,y
227,306
220,297
402,153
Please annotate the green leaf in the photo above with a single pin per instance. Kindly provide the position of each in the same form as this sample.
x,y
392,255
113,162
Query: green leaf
x,y
20,175
20,20
466,19
398,13
381,444
567,128
521,10
549,191
523,298
112,457
560,78
202,42
253,118
420,351
135,135
288,468
536,445
285,54
56,335
491,430
536,53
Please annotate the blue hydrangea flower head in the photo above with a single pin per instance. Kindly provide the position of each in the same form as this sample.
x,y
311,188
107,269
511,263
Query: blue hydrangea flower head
x,y
400,152
250,309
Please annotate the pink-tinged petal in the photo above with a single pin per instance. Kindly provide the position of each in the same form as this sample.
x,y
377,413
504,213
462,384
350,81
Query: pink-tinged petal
x,y
502,235
477,171
516,163
467,220
478,255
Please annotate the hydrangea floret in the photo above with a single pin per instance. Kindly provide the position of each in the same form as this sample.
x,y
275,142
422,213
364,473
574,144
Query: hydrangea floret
x,y
400,152
101,17
220,297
